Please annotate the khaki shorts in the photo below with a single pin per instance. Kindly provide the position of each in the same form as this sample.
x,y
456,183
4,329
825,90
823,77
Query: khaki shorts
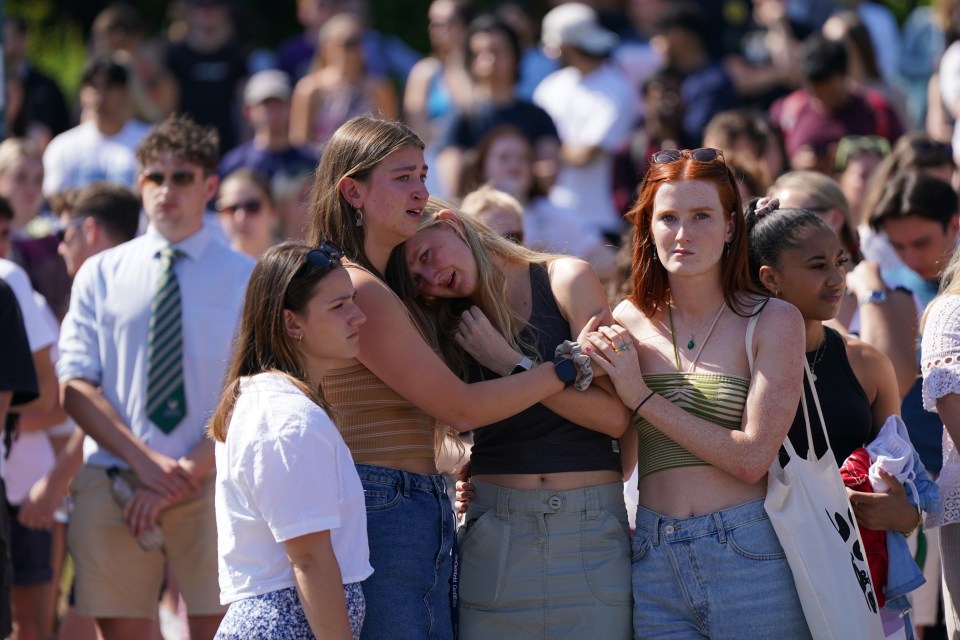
x,y
118,579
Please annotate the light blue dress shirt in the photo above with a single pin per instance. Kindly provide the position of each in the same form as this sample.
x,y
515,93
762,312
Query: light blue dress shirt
x,y
104,335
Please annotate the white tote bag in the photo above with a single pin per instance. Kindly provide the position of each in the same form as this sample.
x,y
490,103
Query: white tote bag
x,y
809,509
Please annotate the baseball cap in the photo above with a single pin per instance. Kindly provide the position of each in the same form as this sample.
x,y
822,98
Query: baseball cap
x,y
576,25
270,83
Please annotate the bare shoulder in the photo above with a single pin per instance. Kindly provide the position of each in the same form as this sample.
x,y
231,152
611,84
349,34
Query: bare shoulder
x,y
569,271
778,318
863,356
372,292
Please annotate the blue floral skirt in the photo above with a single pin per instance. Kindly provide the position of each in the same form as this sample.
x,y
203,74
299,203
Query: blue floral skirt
x,y
278,615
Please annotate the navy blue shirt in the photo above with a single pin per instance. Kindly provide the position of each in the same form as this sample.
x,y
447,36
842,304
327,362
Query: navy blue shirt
x,y
291,161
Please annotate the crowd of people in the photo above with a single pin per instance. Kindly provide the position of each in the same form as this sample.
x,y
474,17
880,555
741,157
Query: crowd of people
x,y
259,310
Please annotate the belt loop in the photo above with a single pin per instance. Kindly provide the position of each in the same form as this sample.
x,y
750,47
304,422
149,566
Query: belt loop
x,y
405,483
503,503
721,532
656,530
592,503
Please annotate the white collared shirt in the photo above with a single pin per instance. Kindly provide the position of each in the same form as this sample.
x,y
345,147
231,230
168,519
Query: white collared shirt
x,y
283,472
105,333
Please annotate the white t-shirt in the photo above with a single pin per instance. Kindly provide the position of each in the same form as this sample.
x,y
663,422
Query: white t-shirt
x,y
283,472
596,110
39,333
82,155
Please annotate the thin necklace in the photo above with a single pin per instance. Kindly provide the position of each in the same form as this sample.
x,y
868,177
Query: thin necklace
x,y
673,338
693,335
818,356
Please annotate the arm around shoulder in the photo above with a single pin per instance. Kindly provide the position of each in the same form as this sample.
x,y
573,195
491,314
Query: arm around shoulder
x,y
393,349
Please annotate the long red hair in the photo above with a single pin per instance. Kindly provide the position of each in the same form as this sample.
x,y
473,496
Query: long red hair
x,y
651,288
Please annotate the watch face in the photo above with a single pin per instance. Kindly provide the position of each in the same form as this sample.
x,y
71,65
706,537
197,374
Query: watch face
x,y
566,370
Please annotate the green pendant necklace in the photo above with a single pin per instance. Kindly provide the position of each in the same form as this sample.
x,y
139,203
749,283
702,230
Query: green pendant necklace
x,y
692,343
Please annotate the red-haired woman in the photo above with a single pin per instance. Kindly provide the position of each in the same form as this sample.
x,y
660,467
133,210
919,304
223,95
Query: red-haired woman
x,y
712,406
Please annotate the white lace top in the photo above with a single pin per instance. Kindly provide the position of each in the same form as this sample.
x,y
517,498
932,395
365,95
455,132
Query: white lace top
x,y
940,365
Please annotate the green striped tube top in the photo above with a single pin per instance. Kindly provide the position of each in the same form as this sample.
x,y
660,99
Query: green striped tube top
x,y
716,397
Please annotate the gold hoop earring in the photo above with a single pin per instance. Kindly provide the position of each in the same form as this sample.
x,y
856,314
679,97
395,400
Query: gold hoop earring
x,y
299,338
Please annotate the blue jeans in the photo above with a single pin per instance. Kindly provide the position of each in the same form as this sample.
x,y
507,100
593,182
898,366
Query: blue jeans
x,y
722,575
410,527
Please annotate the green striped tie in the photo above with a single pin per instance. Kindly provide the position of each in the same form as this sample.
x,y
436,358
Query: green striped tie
x,y
166,399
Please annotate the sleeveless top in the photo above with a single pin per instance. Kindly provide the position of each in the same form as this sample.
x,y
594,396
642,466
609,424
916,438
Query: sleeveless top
x,y
845,406
538,440
375,421
716,397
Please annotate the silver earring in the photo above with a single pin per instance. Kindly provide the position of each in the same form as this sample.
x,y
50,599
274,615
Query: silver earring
x,y
359,213
656,258
726,249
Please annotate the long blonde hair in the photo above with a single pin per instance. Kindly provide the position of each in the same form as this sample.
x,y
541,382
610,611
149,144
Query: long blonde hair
x,y
487,248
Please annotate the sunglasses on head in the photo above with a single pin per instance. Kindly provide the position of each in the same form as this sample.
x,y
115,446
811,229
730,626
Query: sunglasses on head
x,y
178,178
932,153
251,206
325,258
704,155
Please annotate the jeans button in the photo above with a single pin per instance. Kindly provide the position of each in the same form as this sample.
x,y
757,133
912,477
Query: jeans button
x,y
555,502
668,529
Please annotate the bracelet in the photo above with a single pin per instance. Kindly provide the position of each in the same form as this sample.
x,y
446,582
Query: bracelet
x,y
916,526
642,402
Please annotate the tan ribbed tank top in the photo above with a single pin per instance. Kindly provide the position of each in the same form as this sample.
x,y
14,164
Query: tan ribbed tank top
x,y
375,421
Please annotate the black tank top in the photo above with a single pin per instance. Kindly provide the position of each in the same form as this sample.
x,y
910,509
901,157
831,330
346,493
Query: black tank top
x,y
846,408
537,440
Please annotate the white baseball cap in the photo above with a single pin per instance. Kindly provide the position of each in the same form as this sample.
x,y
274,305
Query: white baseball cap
x,y
263,85
576,24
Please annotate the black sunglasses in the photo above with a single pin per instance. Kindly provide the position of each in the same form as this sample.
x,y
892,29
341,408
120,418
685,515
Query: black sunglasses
x,y
179,178
251,206
704,155
325,258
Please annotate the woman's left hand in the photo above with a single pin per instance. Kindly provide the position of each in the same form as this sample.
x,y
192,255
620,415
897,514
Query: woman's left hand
x,y
481,340
889,511
613,350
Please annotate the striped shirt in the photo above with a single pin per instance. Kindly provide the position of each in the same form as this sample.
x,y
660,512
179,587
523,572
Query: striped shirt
x,y
375,421
716,397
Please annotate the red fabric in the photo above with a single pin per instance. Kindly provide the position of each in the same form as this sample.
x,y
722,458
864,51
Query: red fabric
x,y
805,122
854,474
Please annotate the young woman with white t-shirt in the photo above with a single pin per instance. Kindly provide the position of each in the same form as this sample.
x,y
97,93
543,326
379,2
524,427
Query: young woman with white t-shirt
x,y
291,522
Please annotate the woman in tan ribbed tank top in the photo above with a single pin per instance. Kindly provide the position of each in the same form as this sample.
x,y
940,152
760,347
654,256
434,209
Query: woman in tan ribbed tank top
x,y
705,556
368,199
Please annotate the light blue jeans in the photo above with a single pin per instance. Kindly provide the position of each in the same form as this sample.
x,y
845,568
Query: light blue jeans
x,y
410,527
721,576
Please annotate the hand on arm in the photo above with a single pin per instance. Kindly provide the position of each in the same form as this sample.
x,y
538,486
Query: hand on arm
x,y
771,402
393,349
319,584
142,510
97,417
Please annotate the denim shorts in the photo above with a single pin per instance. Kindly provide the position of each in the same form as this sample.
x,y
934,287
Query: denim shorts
x,y
545,564
410,527
722,575
279,615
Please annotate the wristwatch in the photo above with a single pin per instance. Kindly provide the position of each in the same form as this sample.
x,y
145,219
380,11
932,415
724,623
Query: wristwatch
x,y
566,370
526,362
874,296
